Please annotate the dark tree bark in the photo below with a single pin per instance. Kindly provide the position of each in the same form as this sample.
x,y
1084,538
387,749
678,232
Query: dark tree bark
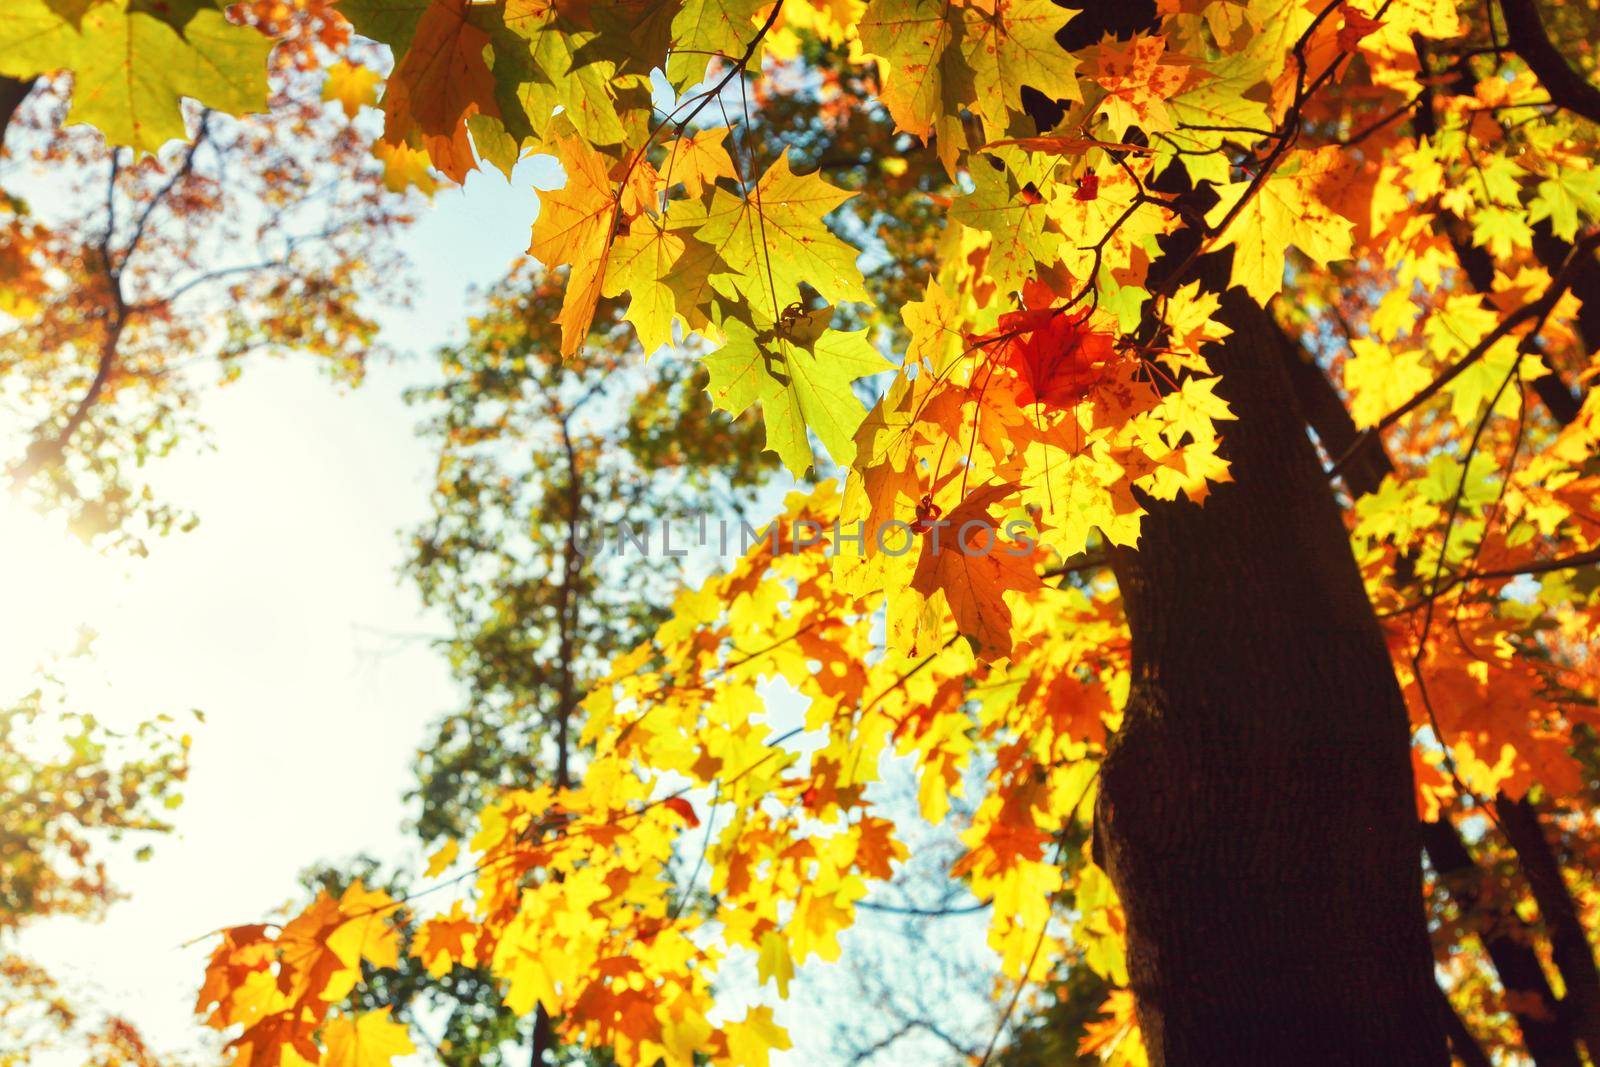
x,y
1256,810
1528,39
1546,1027
1322,409
13,91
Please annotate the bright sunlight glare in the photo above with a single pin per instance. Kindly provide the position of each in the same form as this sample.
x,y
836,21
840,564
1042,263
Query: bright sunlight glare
x,y
52,585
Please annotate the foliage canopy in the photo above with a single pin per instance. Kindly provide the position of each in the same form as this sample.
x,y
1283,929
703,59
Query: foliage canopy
x,y
972,257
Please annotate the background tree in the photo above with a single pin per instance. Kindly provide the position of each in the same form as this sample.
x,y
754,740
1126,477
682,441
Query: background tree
x,y
547,557
124,268
130,268
74,790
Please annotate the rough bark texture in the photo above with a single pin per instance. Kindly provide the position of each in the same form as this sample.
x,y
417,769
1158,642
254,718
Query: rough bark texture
x,y
1256,809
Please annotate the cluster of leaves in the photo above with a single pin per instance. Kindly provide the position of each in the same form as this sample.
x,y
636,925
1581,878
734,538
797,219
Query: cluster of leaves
x,y
1424,186
527,554
72,788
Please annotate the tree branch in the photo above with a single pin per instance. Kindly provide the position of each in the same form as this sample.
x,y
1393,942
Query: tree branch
x,y
13,91
1569,943
1526,36
1505,938
48,450
1535,312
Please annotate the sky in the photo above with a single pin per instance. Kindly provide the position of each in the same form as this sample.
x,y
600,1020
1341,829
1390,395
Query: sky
x,y
284,619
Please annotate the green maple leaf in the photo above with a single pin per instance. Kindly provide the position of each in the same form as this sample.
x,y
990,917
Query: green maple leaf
x,y
703,28
800,375
131,68
390,22
690,281
1019,239
544,65
1013,47
775,239
928,80
1564,198
1218,103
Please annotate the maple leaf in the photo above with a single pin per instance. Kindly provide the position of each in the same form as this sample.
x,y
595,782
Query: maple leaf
x,y
1012,45
1564,198
699,160
800,374
370,1039
928,79
548,72
1284,211
1138,84
751,1039
405,167
354,87
775,240
774,962
576,225
440,80
1057,358
641,260
365,932
935,328
1355,27
1215,109
703,29
445,940
1120,1027
964,557
393,24
1019,238
131,68
1381,378
309,966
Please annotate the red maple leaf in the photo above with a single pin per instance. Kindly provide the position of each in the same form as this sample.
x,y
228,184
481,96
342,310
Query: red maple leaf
x,y
1057,358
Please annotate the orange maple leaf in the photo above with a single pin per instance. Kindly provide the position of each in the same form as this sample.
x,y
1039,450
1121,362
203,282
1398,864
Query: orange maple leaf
x,y
964,556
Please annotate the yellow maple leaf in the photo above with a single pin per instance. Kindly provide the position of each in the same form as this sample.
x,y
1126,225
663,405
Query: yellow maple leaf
x,y
641,259
365,934
405,167
1283,211
354,87
575,226
752,1039
699,160
774,961
370,1039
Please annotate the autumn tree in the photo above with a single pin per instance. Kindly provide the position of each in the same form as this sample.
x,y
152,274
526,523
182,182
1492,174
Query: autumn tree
x,y
1263,322
75,790
170,235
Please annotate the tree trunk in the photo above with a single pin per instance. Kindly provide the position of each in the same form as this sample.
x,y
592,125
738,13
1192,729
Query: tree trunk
x,y
1256,809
